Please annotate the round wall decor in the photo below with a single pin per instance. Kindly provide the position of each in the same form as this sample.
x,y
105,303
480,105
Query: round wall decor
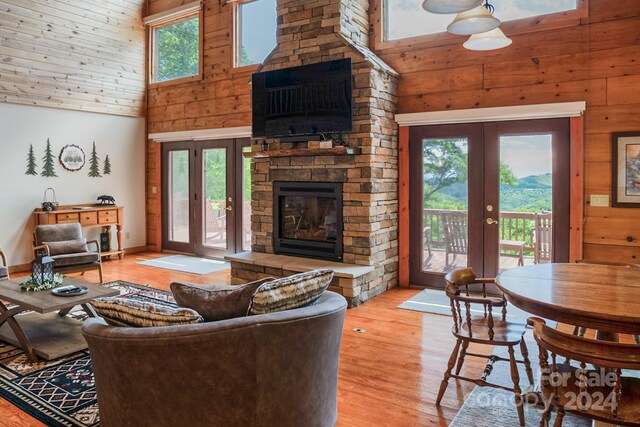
x,y
72,157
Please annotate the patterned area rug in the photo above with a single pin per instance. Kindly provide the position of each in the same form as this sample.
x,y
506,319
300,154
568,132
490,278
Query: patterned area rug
x,y
61,392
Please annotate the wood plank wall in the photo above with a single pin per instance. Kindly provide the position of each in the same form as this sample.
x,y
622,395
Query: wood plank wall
x,y
77,55
221,99
593,57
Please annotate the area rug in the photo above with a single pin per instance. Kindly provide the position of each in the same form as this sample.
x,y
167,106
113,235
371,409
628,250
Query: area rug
x,y
60,392
490,407
187,264
435,301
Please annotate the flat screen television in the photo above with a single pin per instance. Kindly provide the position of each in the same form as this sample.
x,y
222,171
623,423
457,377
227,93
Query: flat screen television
x,y
306,100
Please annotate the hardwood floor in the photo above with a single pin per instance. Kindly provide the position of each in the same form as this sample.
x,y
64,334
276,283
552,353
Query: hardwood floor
x,y
389,374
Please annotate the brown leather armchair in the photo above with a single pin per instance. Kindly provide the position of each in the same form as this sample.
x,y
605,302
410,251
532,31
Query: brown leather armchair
x,y
65,243
278,369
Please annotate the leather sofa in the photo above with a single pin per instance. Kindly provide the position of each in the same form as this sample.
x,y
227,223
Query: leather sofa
x,y
278,369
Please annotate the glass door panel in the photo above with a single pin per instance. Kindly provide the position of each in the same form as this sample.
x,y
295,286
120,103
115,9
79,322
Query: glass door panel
x,y
215,197
445,197
177,205
446,192
526,200
179,221
246,201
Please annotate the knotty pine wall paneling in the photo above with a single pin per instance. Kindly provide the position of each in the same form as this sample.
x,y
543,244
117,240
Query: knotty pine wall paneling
x,y
87,56
594,57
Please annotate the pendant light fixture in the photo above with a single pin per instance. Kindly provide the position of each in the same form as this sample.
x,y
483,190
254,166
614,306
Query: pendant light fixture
x,y
476,20
449,6
494,39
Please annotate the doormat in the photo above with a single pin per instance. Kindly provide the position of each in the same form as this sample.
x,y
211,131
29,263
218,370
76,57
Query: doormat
x,y
187,264
436,301
61,392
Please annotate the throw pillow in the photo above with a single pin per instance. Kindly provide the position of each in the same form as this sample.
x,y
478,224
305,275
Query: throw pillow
x,y
67,247
122,311
218,303
290,292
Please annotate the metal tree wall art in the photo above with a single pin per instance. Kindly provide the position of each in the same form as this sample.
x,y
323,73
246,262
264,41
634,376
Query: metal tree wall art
x,y
48,167
94,163
31,162
107,166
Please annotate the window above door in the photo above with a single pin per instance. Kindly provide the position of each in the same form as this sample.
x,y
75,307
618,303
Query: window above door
x,y
255,25
175,44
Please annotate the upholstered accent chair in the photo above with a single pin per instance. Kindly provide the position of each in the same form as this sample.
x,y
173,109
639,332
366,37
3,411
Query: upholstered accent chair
x,y
66,244
275,369
4,267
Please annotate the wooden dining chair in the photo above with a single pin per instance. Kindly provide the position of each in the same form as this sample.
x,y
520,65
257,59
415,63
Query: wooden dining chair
x,y
604,394
580,331
482,319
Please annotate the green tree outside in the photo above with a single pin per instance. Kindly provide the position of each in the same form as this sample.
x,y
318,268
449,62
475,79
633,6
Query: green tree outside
x,y
178,50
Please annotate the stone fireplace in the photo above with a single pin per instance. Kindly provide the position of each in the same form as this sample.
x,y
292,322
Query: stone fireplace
x,y
320,31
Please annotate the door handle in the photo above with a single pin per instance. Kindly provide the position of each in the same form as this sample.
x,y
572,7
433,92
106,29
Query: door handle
x,y
491,221
229,208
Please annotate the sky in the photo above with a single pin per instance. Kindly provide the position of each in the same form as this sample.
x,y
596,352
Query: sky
x,y
259,28
408,19
526,155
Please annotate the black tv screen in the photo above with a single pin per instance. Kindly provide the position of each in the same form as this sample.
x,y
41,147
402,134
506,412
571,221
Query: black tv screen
x,y
306,100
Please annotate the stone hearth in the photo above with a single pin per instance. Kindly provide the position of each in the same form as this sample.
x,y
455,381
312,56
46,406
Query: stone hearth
x,y
326,30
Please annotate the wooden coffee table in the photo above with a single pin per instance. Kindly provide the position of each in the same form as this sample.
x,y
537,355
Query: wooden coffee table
x,y
47,331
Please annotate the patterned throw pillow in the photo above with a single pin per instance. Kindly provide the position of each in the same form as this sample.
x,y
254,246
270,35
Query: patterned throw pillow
x,y
122,311
290,292
216,303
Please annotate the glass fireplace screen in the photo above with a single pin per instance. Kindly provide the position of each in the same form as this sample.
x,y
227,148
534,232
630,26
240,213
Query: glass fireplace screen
x,y
308,218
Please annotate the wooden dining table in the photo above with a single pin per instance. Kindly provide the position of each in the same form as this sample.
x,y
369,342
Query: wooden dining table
x,y
601,297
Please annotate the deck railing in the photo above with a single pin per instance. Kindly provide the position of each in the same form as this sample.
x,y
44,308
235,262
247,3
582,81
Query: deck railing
x,y
512,226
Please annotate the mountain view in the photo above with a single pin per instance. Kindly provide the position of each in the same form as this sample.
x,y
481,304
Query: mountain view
x,y
529,194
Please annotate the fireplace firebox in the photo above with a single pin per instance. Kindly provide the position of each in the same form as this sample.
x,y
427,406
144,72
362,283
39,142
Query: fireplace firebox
x,y
307,218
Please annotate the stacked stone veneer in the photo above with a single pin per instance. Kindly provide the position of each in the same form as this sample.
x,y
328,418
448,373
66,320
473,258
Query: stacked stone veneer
x,y
325,30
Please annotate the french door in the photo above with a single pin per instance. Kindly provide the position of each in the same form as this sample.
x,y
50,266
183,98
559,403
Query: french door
x,y
491,196
206,197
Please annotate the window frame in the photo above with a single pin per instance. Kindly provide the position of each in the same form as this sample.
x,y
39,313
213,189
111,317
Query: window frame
x,y
514,27
236,47
152,52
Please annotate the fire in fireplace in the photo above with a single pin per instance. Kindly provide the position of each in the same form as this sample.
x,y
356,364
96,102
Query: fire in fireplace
x,y
307,218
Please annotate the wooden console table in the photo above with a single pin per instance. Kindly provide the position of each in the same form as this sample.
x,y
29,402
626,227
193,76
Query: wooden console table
x,y
88,215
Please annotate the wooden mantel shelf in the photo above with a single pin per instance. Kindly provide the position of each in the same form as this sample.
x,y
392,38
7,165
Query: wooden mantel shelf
x,y
334,151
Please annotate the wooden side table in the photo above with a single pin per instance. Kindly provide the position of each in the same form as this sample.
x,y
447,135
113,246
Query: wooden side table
x,y
88,215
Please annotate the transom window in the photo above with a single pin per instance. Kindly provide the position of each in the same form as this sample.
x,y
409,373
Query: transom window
x,y
175,49
256,23
407,18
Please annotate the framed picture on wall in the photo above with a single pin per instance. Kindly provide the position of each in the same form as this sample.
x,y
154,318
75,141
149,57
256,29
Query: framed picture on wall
x,y
72,157
626,169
